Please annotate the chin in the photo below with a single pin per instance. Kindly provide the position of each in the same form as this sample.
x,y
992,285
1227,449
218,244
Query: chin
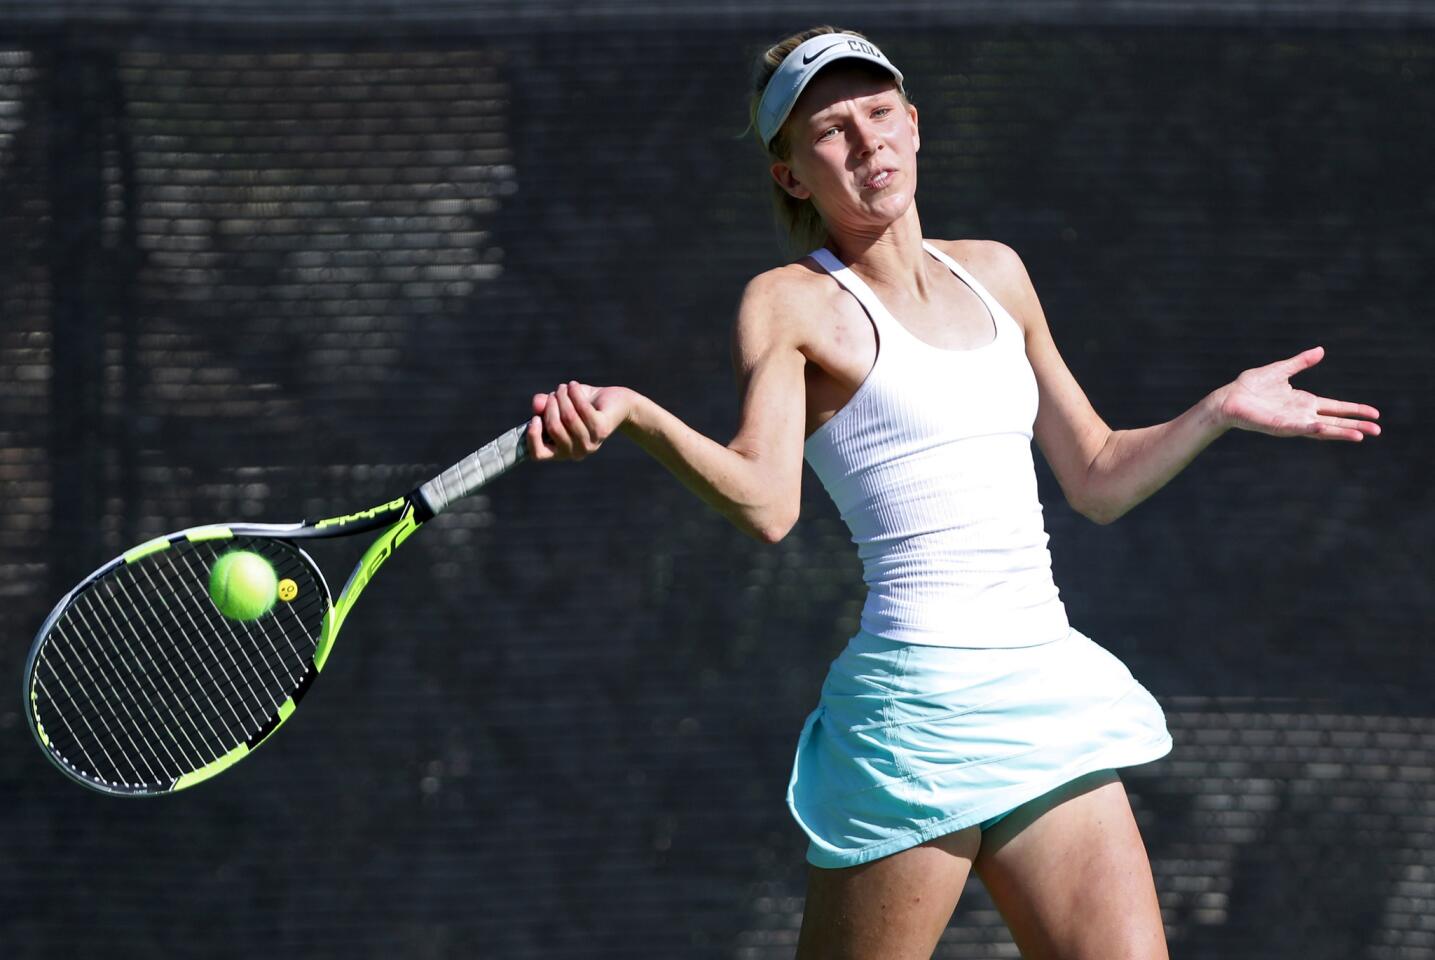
x,y
894,205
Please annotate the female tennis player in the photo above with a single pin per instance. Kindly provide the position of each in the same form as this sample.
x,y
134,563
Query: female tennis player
x,y
967,724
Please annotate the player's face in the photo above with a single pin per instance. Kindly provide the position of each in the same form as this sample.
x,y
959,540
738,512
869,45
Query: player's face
x,y
852,149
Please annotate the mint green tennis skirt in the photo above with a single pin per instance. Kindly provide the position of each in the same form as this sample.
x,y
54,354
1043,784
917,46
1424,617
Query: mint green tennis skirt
x,y
910,742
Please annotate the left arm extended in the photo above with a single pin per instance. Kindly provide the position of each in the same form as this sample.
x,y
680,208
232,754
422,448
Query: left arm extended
x,y
1105,472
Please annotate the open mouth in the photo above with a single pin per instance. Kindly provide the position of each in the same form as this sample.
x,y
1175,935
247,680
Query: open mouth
x,y
878,180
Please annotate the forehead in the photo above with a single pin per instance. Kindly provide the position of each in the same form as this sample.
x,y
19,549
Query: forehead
x,y
841,81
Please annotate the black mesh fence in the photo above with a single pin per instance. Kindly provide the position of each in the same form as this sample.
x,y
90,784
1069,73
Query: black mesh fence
x,y
261,261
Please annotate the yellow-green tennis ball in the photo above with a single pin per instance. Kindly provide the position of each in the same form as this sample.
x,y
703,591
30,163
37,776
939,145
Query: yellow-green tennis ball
x,y
242,585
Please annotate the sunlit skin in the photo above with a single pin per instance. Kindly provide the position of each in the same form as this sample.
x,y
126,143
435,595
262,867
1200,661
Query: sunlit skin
x,y
1068,871
846,126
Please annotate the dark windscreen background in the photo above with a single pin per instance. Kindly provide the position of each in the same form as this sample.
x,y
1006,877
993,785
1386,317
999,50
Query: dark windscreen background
x,y
262,263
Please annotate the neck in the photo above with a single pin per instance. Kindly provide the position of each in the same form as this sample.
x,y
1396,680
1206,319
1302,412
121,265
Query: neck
x,y
892,258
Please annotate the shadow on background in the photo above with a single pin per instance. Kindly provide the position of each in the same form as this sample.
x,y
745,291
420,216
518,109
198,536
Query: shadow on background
x,y
252,274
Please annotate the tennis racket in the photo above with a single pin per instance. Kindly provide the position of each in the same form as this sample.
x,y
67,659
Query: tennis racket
x,y
137,685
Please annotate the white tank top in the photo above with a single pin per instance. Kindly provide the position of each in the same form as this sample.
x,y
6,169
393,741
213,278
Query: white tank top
x,y
930,465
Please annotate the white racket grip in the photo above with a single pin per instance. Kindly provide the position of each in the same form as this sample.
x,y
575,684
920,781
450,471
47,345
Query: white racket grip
x,y
491,460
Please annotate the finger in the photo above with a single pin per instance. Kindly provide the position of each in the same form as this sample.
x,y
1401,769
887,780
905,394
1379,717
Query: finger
x,y
577,429
1359,426
583,403
1342,408
1331,431
558,437
538,449
540,400
1302,361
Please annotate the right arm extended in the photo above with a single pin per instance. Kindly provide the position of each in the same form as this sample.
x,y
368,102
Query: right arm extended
x,y
756,479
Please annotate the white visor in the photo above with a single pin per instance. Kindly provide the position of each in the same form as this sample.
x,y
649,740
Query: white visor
x,y
801,65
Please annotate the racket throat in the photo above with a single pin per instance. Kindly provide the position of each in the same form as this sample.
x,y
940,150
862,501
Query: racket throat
x,y
379,551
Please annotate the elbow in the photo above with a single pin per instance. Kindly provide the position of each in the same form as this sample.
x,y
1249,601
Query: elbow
x,y
1101,514
1101,518
772,525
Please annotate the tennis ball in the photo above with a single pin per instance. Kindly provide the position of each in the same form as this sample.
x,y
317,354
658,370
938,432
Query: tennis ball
x,y
242,585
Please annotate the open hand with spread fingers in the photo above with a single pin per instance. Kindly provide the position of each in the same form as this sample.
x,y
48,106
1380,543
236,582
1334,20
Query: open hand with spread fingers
x,y
1263,400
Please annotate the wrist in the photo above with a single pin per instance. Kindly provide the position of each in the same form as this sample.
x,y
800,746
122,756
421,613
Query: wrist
x,y
632,406
1213,413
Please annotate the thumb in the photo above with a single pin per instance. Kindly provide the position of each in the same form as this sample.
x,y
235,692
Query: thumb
x,y
540,402
1303,361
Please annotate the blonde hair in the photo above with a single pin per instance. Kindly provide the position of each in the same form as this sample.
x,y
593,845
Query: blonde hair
x,y
798,219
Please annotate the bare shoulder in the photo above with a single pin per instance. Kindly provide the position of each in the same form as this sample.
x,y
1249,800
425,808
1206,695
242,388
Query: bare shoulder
x,y
780,305
999,269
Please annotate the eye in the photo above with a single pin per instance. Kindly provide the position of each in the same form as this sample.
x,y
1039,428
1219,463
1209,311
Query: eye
x,y
826,134
881,111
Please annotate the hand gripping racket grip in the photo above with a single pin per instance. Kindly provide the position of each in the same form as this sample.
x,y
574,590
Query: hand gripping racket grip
x,y
491,460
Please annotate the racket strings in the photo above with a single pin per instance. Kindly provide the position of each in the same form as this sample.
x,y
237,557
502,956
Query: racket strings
x,y
136,668
263,627
112,698
205,633
116,693
141,679
84,636
170,674
196,757
152,619
83,716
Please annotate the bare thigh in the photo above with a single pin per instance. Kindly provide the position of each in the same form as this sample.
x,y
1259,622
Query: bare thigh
x,y
1070,875
894,908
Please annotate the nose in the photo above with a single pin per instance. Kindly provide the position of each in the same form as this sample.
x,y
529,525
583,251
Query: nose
x,y
864,138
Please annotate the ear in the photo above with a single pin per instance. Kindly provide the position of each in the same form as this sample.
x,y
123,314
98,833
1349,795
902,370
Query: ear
x,y
787,180
916,134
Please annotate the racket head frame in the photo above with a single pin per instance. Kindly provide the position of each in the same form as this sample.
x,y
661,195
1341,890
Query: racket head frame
x,y
398,519
284,534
